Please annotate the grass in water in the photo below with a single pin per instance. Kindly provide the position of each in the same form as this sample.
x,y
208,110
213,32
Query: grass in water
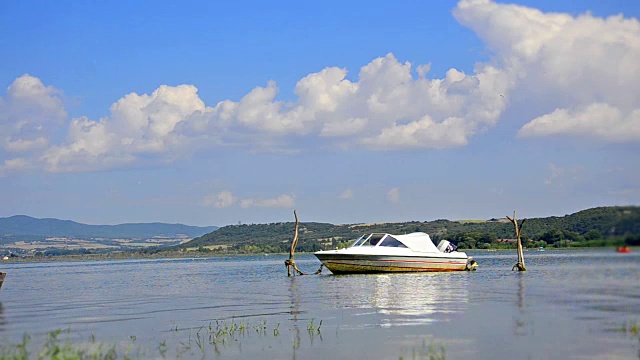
x,y
216,336
56,348
631,327
431,352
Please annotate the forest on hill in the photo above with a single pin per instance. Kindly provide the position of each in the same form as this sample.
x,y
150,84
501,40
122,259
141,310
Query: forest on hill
x,y
592,227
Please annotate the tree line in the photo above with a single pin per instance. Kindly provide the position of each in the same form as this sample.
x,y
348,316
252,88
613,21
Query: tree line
x,y
602,226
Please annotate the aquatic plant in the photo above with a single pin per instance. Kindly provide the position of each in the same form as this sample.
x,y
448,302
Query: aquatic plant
x,y
56,348
432,352
631,327
214,336
311,328
162,348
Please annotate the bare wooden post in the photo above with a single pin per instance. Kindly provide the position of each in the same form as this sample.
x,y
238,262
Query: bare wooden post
x,y
520,264
290,263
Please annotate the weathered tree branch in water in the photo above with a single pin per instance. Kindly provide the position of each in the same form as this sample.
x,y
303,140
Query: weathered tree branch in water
x,y
520,265
290,263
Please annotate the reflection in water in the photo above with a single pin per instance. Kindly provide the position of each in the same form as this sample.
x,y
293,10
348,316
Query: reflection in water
x,y
520,291
2,320
294,295
520,322
404,299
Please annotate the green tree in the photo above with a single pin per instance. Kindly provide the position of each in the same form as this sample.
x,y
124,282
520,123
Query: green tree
x,y
593,234
552,236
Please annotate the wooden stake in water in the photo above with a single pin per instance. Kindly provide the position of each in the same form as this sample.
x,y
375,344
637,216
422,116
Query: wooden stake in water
x,y
290,263
292,269
520,264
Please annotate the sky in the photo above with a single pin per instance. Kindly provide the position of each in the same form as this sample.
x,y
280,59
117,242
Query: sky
x,y
217,113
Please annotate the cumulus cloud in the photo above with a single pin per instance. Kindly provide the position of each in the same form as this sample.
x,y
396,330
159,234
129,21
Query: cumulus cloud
x,y
582,71
282,201
28,113
388,108
223,199
579,74
138,125
600,121
393,196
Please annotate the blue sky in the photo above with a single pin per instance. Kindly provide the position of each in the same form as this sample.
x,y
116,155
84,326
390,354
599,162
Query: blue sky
x,y
214,113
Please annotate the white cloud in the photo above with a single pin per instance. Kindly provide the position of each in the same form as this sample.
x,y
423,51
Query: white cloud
x,y
385,102
393,196
27,113
584,67
25,145
578,75
138,125
600,121
31,103
223,199
12,165
282,201
346,194
424,133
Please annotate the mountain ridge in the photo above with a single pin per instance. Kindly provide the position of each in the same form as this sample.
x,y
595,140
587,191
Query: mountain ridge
x,y
24,225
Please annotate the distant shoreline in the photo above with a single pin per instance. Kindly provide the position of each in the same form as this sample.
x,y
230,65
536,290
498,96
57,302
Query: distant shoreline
x,y
196,254
132,256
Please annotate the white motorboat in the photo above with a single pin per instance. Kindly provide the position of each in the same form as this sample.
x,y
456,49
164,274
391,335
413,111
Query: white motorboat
x,y
379,253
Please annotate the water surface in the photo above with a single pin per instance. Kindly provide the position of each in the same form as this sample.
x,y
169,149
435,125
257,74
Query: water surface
x,y
569,304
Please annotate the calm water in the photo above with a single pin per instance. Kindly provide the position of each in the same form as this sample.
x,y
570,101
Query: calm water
x,y
570,304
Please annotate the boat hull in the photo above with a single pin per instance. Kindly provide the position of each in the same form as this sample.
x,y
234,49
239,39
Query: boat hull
x,y
362,264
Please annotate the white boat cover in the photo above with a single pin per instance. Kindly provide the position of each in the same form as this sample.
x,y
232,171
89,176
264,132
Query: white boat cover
x,y
418,241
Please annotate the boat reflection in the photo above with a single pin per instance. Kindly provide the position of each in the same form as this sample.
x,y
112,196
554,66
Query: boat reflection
x,y
406,299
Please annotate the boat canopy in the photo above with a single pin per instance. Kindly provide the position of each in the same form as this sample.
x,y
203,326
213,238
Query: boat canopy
x,y
417,241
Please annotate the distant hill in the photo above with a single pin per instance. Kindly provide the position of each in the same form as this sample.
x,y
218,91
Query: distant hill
x,y
586,225
21,226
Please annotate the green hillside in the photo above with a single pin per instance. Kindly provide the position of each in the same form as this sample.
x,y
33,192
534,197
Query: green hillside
x,y
592,227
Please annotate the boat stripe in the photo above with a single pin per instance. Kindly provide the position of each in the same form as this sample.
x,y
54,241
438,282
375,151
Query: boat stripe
x,y
398,267
406,261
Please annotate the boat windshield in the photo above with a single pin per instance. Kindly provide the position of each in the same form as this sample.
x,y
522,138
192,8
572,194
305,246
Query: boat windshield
x,y
360,240
390,241
373,240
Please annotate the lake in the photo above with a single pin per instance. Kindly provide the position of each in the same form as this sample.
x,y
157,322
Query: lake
x,y
569,304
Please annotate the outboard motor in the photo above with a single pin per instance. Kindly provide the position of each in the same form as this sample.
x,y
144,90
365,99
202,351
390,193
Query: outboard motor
x,y
471,264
